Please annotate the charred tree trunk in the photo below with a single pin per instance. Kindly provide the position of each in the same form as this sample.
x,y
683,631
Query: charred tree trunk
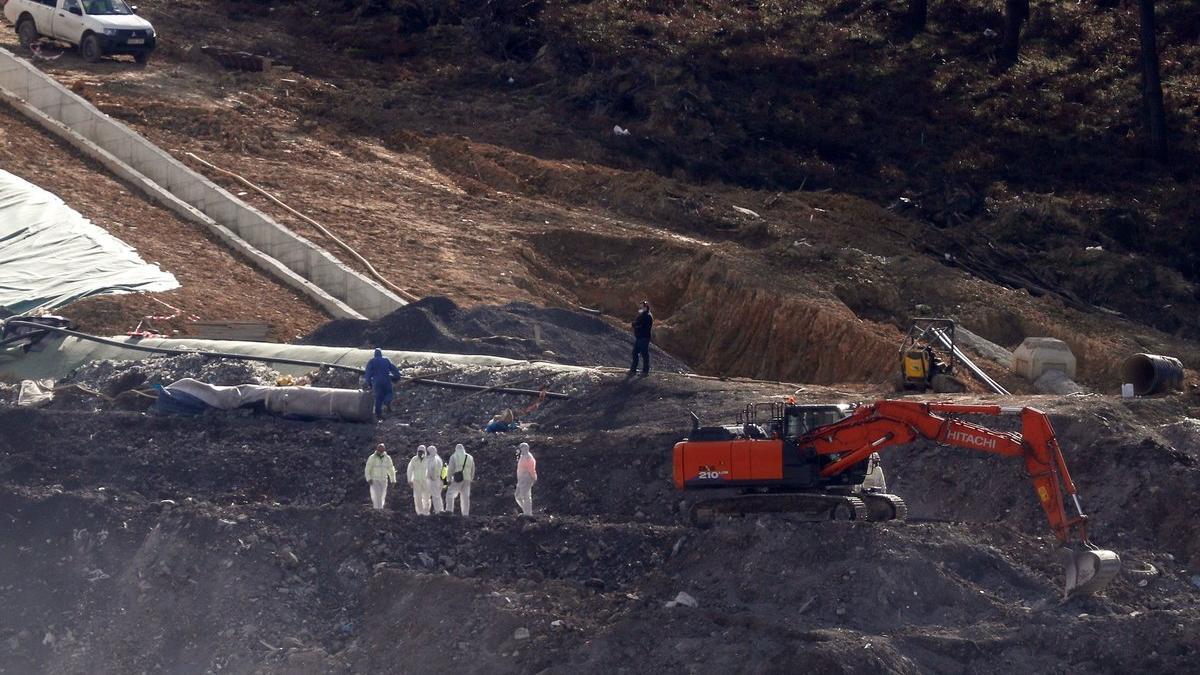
x,y
1152,96
918,12
1015,14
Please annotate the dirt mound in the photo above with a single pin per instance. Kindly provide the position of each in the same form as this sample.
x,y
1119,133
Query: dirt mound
x,y
517,330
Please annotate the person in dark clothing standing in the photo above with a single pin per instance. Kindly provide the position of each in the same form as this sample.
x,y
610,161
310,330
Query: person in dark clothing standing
x,y
378,377
641,339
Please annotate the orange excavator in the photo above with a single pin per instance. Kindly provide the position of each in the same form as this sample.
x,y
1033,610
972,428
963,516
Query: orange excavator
x,y
815,460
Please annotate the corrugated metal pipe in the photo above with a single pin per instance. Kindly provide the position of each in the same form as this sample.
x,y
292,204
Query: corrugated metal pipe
x,y
1152,373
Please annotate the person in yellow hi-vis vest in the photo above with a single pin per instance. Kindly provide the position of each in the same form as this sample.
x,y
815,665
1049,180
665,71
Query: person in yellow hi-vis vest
x,y
379,472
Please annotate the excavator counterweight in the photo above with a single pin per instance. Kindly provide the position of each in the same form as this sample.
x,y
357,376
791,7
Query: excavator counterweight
x,y
822,461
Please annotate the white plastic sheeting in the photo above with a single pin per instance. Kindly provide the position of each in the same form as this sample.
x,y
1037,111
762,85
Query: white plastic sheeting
x,y
50,255
35,393
313,402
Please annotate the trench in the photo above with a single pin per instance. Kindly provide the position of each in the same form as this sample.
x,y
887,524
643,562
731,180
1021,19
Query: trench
x,y
717,317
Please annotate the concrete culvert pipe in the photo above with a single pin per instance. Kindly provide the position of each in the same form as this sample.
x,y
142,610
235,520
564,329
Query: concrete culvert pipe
x,y
1152,374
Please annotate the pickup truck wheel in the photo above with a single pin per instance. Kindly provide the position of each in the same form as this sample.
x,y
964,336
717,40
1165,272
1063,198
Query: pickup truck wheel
x,y
27,33
90,49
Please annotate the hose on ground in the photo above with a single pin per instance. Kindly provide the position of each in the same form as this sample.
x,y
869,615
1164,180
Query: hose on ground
x,y
321,228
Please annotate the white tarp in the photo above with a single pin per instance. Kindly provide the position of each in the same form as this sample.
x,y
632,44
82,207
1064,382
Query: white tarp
x,y
217,396
318,402
50,255
35,393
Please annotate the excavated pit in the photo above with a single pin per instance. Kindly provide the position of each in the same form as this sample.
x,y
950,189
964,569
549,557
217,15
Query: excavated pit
x,y
717,316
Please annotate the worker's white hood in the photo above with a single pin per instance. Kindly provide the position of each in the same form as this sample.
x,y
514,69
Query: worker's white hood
x,y
123,21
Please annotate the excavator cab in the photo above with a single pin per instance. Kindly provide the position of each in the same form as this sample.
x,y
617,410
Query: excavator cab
x,y
800,420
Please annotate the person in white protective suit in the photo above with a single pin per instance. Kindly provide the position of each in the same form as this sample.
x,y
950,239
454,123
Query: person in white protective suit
x,y
874,481
418,480
436,486
526,477
379,471
461,472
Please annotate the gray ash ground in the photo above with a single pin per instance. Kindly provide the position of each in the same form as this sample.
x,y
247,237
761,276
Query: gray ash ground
x,y
113,377
517,330
136,542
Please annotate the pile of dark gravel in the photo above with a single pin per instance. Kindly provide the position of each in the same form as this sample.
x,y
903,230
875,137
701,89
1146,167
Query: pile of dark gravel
x,y
517,330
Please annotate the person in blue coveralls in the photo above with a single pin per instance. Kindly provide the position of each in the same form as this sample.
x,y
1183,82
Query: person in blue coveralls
x,y
378,377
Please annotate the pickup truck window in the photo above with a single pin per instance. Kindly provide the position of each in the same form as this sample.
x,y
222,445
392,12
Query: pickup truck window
x,y
71,4
102,7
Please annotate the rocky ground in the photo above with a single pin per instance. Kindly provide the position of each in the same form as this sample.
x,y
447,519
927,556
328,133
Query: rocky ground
x,y
241,542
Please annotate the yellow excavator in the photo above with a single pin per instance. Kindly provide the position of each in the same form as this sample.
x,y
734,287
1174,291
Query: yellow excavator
x,y
928,358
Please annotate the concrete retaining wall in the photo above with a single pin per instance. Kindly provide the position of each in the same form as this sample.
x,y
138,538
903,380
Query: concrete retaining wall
x,y
307,260
330,304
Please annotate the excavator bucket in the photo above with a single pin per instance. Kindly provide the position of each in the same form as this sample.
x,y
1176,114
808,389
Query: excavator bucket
x,y
1089,570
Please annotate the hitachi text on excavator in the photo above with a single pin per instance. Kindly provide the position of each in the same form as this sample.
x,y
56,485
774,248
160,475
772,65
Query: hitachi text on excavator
x,y
817,460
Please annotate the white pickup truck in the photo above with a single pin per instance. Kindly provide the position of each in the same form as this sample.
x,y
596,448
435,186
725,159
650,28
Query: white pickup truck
x,y
97,27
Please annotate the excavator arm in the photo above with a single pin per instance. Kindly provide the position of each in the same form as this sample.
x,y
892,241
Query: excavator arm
x,y
884,424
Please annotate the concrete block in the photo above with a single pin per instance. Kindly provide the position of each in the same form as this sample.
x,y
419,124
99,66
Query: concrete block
x,y
178,179
22,83
289,253
145,154
108,134
324,274
208,196
72,113
1036,355
123,149
190,191
153,167
248,219
223,211
285,240
41,96
9,69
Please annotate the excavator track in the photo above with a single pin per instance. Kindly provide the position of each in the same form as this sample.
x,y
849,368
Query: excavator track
x,y
884,506
812,506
